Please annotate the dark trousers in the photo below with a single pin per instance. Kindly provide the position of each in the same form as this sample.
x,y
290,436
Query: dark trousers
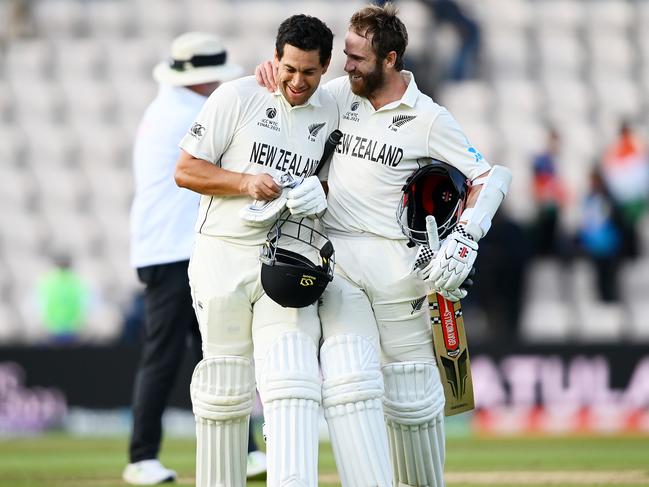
x,y
170,327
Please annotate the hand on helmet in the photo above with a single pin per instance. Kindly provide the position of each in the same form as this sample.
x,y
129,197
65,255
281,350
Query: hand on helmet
x,y
307,199
451,265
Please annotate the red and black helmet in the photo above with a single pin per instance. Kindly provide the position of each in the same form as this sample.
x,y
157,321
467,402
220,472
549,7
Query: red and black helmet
x,y
437,189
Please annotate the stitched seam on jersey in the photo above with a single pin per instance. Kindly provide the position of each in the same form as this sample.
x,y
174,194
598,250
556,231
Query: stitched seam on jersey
x,y
207,211
209,205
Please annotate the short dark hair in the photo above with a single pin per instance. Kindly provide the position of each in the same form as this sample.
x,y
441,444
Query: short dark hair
x,y
387,31
306,33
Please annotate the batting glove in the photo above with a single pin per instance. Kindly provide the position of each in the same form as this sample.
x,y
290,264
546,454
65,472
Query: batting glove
x,y
452,264
307,199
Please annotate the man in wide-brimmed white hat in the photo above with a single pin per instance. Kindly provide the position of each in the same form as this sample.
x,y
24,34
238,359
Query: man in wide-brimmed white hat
x,y
197,59
162,234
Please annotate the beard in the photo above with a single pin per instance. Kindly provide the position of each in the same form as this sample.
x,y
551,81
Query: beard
x,y
369,82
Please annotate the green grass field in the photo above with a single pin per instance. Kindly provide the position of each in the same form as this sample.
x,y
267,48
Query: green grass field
x,y
58,461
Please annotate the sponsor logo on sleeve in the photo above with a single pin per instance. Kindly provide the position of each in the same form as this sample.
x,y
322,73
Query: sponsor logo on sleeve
x,y
473,151
197,130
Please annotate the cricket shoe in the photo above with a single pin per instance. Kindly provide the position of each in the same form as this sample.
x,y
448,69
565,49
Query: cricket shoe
x,y
256,467
147,472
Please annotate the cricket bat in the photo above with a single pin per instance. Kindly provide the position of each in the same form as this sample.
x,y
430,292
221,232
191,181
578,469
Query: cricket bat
x,y
450,343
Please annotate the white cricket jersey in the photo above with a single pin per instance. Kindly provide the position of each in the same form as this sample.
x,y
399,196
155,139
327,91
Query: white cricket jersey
x,y
162,214
246,129
380,149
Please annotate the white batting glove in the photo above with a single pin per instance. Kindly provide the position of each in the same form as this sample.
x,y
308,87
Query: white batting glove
x,y
261,213
452,264
307,199
454,296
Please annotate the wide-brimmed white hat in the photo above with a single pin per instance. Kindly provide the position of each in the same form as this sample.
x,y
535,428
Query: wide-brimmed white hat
x,y
196,57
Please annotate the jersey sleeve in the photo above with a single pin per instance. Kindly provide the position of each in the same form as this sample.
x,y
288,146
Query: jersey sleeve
x,y
447,142
212,131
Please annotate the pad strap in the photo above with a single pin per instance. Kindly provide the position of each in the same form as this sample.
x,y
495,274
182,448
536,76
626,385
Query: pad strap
x,y
222,388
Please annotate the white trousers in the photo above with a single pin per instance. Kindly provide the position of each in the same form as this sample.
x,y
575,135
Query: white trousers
x,y
233,311
374,295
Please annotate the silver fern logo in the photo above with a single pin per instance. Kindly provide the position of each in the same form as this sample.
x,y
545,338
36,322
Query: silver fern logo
x,y
314,129
400,120
417,304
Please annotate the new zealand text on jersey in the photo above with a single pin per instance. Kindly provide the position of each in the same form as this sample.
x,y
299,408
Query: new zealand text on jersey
x,y
370,150
281,159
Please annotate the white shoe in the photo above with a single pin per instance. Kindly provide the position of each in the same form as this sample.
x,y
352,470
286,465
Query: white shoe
x,y
256,464
147,472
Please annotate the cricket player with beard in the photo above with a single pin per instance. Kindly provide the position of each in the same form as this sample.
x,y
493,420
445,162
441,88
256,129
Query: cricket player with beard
x,y
375,304
241,139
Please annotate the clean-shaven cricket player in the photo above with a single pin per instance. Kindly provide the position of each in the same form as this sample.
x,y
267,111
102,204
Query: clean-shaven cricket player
x,y
241,139
375,302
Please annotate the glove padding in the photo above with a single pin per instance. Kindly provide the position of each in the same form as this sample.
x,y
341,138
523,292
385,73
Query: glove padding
x,y
460,292
307,199
455,295
451,265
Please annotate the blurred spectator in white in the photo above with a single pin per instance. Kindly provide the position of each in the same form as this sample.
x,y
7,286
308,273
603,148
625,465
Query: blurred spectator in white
x,y
601,236
63,301
625,168
549,197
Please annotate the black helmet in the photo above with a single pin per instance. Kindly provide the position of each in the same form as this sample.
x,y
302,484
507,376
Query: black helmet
x,y
289,276
437,189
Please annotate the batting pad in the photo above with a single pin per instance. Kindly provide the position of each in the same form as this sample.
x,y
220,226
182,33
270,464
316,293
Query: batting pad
x,y
351,396
289,386
222,392
414,413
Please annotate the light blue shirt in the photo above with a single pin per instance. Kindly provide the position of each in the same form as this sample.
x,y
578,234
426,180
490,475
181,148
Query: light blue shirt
x,y
163,215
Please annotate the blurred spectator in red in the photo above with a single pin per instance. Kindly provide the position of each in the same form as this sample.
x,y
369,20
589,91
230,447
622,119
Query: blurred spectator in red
x,y
601,236
625,168
549,196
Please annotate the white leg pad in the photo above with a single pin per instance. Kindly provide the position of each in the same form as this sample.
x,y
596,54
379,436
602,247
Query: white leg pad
x,y
290,389
351,396
222,392
414,413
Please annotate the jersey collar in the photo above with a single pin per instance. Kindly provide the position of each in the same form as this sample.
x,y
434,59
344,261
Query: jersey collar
x,y
409,97
314,100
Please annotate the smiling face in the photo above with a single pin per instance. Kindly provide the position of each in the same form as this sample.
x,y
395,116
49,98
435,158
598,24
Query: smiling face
x,y
299,73
365,70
